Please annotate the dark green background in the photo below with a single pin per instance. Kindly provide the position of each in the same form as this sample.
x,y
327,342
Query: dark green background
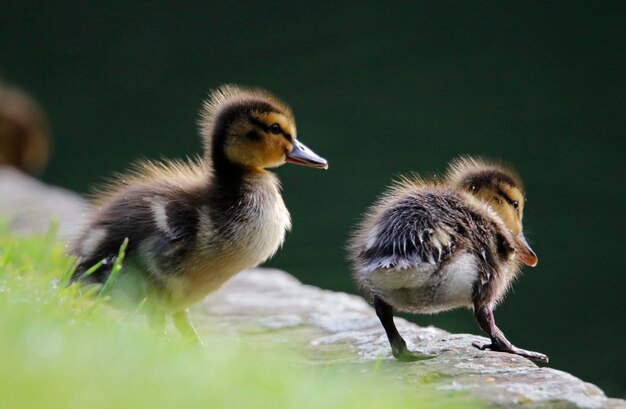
x,y
379,91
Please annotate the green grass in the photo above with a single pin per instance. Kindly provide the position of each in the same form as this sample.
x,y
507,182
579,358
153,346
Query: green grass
x,y
62,348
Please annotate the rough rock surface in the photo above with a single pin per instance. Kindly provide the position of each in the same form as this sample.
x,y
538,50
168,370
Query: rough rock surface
x,y
343,329
29,205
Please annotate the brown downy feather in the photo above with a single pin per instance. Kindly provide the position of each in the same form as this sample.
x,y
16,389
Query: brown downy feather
x,y
426,224
467,171
192,224
24,131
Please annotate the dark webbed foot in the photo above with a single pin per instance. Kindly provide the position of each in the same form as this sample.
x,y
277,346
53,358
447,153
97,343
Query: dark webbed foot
x,y
497,346
484,317
398,345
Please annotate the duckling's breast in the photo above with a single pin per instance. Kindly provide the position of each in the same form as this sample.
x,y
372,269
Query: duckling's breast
x,y
250,233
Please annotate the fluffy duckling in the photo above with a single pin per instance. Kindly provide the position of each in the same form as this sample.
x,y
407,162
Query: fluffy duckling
x,y
24,131
431,246
191,226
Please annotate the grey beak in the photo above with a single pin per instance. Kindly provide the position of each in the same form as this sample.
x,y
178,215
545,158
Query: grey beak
x,y
301,155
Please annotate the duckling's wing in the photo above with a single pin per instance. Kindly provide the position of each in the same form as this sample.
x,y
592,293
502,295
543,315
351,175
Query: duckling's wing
x,y
157,220
407,234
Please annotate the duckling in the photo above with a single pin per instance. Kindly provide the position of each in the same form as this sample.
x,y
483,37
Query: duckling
x,y
433,245
193,225
24,131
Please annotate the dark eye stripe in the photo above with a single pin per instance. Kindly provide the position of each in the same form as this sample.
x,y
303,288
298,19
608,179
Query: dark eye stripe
x,y
258,123
275,129
510,201
253,135
266,128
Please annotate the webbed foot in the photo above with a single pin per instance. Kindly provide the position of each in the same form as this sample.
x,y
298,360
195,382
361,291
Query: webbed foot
x,y
496,346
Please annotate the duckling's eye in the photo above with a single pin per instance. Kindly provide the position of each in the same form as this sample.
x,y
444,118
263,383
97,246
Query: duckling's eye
x,y
515,204
275,129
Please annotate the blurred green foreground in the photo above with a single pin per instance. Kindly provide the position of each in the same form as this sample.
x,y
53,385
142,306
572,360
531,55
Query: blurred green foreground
x,y
65,349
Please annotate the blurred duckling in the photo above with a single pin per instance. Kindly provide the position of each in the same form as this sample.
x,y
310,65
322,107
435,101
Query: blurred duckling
x,y
191,226
431,246
24,131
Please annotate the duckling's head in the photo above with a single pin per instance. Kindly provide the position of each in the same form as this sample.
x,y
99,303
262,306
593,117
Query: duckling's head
x,y
502,190
252,129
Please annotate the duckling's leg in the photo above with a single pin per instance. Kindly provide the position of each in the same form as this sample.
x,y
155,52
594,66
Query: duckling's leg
x,y
484,317
156,320
398,345
184,325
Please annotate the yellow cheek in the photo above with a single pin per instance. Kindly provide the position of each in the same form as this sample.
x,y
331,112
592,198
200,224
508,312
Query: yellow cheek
x,y
268,152
275,151
514,224
240,154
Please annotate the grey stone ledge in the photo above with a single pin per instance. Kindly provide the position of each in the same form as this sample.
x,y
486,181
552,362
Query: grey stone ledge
x,y
343,329
29,206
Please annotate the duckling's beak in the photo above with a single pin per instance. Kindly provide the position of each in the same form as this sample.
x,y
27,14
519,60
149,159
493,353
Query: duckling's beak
x,y
526,254
301,155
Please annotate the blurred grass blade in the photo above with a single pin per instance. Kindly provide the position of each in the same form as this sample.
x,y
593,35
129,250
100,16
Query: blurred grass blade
x,y
67,276
115,270
53,230
92,269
